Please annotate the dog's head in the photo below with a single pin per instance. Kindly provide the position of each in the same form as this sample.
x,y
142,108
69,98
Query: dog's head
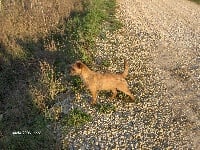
x,y
76,68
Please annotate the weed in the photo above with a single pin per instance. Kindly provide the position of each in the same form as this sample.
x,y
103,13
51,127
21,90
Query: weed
x,y
51,79
77,82
53,113
197,1
105,63
76,118
48,86
105,108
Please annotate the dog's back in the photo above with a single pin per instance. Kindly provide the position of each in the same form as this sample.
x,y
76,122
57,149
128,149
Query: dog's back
x,y
108,81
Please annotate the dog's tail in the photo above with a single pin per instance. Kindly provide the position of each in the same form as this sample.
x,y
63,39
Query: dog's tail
x,y
125,73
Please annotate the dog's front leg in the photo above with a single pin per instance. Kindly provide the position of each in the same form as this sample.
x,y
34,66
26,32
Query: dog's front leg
x,y
94,97
114,91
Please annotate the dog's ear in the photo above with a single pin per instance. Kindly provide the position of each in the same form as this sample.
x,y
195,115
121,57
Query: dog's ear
x,y
79,64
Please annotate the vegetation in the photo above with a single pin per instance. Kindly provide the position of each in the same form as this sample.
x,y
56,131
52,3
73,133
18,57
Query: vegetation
x,y
38,40
105,108
197,1
76,118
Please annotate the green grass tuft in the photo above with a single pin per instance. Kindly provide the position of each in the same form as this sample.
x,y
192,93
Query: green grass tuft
x,y
105,108
197,1
76,118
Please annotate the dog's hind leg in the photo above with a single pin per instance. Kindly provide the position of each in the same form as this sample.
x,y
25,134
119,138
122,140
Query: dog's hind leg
x,y
124,88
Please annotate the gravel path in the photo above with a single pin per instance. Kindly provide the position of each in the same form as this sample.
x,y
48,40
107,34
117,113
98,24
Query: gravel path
x,y
161,41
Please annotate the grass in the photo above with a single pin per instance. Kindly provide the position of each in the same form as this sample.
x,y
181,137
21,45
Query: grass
x,y
105,108
48,85
197,1
82,29
76,118
36,45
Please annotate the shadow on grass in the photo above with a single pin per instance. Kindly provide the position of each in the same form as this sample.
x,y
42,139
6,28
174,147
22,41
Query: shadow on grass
x,y
23,124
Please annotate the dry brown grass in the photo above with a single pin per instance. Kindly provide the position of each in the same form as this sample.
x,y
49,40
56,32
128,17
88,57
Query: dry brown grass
x,y
49,85
24,20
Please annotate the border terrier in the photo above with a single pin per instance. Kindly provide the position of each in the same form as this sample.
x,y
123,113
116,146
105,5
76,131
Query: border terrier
x,y
96,81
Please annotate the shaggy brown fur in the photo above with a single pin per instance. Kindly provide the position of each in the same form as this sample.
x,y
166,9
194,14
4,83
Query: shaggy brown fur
x,y
95,81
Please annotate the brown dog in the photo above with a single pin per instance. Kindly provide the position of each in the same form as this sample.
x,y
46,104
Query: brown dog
x,y
101,81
